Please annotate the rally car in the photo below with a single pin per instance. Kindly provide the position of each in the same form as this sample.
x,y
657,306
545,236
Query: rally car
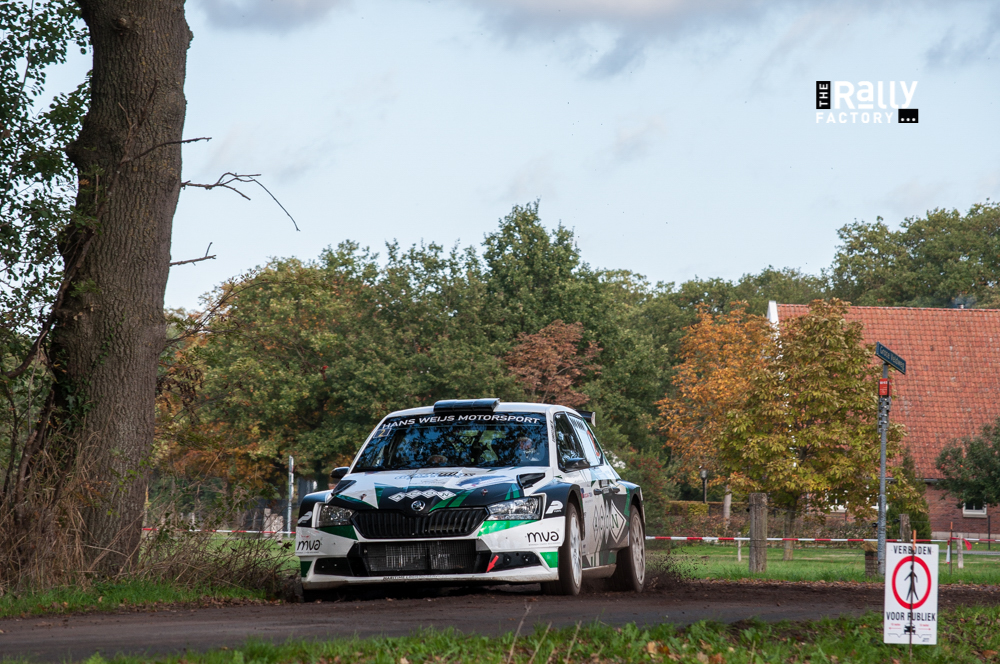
x,y
476,491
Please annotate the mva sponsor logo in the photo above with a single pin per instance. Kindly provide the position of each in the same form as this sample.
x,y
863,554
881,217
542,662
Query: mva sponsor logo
x,y
536,538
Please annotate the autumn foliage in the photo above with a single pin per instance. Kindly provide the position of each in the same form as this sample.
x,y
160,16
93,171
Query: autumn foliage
x,y
549,363
719,354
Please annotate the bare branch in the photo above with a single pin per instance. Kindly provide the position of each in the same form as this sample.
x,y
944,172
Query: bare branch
x,y
156,147
225,181
196,260
193,260
277,201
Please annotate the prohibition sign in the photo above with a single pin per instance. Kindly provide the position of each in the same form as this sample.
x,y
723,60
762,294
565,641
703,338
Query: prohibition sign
x,y
927,571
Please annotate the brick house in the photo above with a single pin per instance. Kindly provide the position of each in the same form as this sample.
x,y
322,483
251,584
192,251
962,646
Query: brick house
x,y
950,390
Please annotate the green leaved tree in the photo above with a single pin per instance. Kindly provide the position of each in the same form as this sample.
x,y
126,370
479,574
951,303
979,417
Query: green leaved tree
x,y
806,433
971,467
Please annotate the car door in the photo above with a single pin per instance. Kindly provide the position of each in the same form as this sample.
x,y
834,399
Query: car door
x,y
608,523
569,446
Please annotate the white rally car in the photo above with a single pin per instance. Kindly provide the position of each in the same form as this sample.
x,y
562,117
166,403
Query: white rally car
x,y
476,491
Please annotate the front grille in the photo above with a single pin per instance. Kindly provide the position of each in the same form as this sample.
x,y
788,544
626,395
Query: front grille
x,y
455,557
447,522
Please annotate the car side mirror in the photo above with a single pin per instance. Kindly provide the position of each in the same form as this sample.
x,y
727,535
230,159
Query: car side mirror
x,y
575,464
337,474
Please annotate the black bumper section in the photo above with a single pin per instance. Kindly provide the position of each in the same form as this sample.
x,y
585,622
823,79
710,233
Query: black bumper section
x,y
421,558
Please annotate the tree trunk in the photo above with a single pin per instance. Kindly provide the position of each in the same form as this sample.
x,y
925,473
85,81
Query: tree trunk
x,y
727,508
789,530
110,329
758,532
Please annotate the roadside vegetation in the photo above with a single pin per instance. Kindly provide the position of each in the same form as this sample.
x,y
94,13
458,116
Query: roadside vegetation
x,y
965,635
124,595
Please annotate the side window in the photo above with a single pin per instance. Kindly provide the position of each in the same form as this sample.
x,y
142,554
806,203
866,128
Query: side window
x,y
567,444
586,436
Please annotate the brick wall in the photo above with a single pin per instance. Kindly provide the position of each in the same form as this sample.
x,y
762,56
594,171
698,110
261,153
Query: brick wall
x,y
944,513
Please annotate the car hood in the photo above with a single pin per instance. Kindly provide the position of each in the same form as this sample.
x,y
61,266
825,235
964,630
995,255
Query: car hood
x,y
435,488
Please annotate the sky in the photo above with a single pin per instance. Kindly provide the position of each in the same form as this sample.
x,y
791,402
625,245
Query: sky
x,y
677,138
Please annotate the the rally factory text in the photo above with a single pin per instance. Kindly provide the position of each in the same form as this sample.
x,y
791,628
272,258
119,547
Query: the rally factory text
x,y
832,96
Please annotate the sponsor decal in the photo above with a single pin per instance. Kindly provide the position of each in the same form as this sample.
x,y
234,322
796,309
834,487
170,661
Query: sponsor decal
x,y
484,480
425,493
554,506
609,522
306,519
306,545
538,537
447,473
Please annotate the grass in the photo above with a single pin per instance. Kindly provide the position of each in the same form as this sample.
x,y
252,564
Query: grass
x,y
809,563
115,596
965,635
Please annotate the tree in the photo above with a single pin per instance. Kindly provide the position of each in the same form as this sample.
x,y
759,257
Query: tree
x,y
550,363
108,328
971,467
806,432
719,354
942,259
307,357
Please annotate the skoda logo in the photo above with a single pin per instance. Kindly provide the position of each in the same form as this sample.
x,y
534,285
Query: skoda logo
x,y
417,505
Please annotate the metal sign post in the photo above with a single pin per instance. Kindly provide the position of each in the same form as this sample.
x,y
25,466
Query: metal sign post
x,y
884,406
291,494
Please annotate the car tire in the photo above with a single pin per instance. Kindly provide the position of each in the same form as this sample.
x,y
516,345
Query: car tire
x,y
570,557
630,571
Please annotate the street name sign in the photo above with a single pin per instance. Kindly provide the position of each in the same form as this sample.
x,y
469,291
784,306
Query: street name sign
x,y
890,358
911,594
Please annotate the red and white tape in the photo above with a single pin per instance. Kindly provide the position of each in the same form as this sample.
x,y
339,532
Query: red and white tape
x,y
252,532
803,539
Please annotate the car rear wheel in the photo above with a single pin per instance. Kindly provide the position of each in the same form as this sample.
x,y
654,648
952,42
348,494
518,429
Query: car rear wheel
x,y
570,558
630,573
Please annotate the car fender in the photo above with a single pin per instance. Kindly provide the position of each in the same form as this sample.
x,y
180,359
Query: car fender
x,y
557,497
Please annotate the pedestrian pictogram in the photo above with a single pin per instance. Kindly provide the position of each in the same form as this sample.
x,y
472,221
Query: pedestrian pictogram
x,y
911,589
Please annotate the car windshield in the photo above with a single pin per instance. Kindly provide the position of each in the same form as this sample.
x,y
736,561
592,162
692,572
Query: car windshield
x,y
471,441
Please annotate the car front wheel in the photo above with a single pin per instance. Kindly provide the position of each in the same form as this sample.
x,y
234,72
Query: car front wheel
x,y
630,573
570,558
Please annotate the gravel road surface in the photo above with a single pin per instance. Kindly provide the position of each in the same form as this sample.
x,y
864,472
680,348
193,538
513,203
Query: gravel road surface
x,y
398,612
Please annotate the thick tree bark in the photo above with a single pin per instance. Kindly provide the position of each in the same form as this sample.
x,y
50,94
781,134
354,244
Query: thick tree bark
x,y
110,329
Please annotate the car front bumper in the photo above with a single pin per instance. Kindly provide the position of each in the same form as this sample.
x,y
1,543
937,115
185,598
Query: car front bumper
x,y
498,552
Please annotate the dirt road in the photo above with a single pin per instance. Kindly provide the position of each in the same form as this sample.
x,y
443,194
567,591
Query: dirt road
x,y
400,611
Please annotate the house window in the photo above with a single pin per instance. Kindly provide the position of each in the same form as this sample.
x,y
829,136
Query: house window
x,y
974,510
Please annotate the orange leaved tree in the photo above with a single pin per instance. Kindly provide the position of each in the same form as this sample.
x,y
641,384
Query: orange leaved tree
x,y
549,363
719,353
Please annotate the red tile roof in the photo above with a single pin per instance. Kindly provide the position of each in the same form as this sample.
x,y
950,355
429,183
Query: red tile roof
x,y
952,382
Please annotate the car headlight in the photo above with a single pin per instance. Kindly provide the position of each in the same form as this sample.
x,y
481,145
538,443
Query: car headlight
x,y
520,508
331,515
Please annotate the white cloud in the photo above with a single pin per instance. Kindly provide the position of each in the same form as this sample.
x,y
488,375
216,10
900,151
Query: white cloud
x,y
275,16
916,196
534,179
634,142
952,50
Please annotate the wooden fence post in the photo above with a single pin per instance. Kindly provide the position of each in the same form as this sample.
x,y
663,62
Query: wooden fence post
x,y
758,532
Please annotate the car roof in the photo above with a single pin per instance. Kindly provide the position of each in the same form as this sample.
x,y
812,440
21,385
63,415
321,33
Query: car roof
x,y
502,407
